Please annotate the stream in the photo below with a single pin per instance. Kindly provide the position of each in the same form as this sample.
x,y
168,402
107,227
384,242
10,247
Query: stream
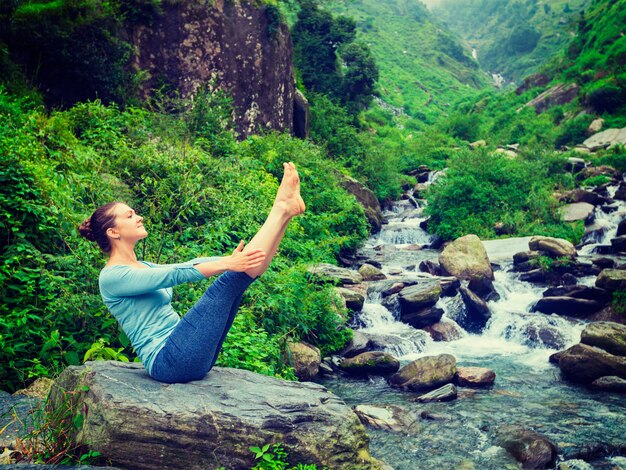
x,y
528,390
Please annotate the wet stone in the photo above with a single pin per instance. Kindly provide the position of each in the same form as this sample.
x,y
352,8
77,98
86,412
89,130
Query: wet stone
x,y
446,393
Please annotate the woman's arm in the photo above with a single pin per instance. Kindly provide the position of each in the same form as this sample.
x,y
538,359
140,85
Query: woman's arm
x,y
238,262
124,281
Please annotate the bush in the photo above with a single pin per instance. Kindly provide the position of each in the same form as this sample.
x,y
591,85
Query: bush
x,y
480,189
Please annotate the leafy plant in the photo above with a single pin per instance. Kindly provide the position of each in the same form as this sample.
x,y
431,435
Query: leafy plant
x,y
276,459
52,439
619,301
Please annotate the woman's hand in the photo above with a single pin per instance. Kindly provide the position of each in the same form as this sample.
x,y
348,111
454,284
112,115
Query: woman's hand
x,y
240,261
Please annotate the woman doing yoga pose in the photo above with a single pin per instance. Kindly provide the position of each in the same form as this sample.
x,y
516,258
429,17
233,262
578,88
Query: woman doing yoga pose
x,y
139,294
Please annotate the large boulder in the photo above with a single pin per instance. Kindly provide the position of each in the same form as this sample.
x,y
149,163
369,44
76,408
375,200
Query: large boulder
x,y
422,318
444,331
425,373
466,258
325,271
531,449
305,360
238,47
136,422
555,247
370,363
354,300
569,306
371,273
584,364
611,279
419,296
606,335
366,198
478,312
606,139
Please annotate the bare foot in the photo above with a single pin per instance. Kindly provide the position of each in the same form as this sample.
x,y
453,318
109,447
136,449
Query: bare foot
x,y
288,194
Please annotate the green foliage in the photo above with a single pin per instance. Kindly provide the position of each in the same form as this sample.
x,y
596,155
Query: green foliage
x,y
276,459
480,189
523,39
316,36
619,301
548,264
357,86
595,181
99,351
514,38
573,131
72,48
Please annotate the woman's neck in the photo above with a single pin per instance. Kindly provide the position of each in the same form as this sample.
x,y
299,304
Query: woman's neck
x,y
123,255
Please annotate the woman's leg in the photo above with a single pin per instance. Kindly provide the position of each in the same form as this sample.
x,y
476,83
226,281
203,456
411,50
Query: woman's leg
x,y
192,348
288,204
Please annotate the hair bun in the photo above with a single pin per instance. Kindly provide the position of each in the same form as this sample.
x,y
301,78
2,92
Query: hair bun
x,y
85,230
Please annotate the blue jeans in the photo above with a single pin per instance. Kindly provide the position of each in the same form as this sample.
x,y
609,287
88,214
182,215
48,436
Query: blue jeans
x,y
192,348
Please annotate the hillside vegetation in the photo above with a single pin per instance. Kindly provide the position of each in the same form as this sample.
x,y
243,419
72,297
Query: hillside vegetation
x,y
512,38
423,67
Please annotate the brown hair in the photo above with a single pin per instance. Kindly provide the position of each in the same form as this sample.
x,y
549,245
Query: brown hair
x,y
95,228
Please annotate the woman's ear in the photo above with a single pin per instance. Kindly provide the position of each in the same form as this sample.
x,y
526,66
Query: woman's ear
x,y
113,233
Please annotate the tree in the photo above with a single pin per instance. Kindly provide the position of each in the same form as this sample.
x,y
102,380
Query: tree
x,y
357,86
317,36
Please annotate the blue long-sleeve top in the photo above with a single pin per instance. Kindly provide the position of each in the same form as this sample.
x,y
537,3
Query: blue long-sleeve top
x,y
141,301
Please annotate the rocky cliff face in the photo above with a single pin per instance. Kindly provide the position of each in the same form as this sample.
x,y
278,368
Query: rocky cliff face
x,y
243,49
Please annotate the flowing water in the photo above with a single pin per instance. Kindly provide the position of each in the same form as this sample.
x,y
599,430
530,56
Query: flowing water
x,y
515,344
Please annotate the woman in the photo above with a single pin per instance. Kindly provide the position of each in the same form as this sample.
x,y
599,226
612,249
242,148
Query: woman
x,y
139,295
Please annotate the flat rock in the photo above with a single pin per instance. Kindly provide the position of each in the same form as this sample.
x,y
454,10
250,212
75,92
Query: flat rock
x,y
576,211
370,363
422,318
610,384
419,296
371,273
139,423
446,393
388,417
555,247
606,139
569,306
325,271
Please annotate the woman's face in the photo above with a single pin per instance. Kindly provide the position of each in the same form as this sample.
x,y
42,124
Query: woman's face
x,y
128,224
